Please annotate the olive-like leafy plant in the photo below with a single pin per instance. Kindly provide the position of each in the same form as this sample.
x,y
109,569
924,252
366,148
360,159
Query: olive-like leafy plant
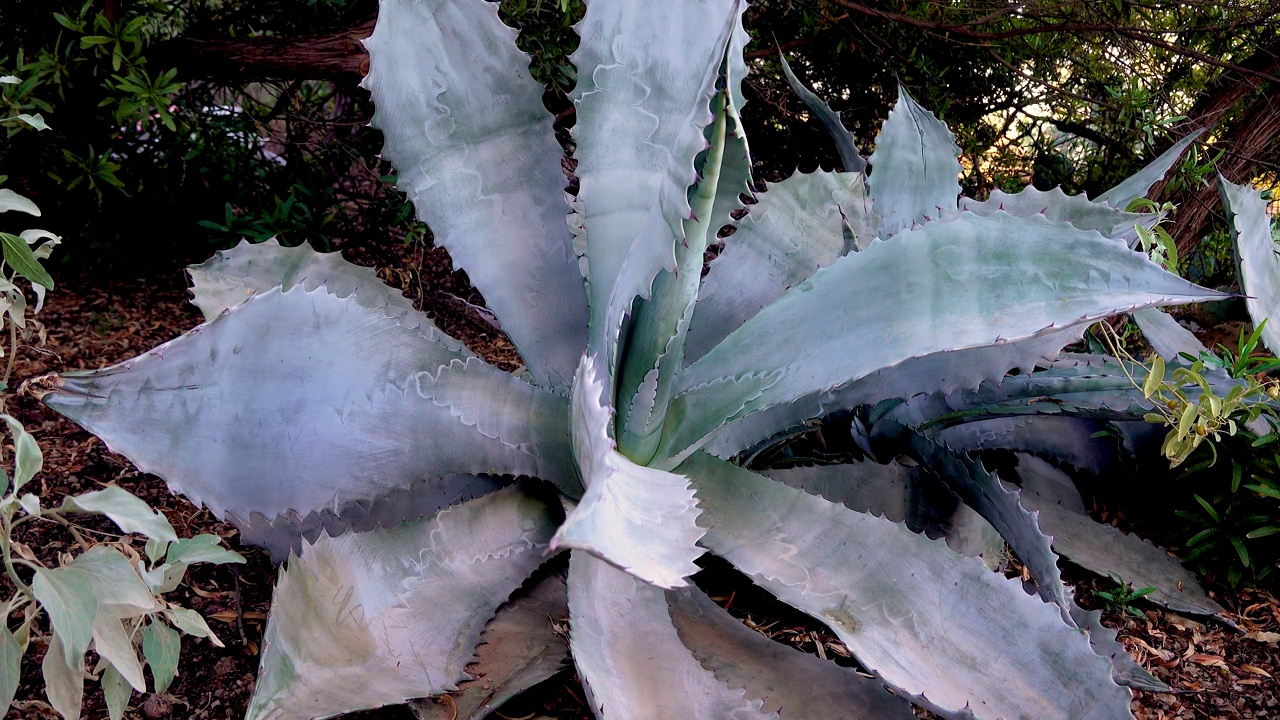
x,y
336,425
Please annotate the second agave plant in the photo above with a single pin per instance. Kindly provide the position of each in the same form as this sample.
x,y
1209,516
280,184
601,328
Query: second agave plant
x,y
418,492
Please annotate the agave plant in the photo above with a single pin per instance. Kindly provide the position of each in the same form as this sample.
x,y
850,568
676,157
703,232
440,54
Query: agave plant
x,y
415,489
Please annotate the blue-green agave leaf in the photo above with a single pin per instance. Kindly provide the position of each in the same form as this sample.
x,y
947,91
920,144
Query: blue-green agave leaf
x,y
949,285
638,137
298,402
414,598
640,519
630,658
1104,549
1166,335
911,611
1138,184
793,230
902,494
466,130
1059,207
915,170
232,276
1071,441
519,649
1256,256
792,683
850,158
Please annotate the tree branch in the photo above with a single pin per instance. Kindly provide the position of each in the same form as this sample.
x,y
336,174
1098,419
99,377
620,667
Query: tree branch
x,y
339,57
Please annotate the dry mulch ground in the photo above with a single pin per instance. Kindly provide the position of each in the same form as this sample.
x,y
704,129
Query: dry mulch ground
x,y
1216,672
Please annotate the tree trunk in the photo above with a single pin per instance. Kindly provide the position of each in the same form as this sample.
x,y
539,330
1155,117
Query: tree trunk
x,y
1246,139
339,57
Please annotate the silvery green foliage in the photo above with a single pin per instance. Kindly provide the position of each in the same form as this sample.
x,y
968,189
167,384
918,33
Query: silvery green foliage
x,y
100,600
319,411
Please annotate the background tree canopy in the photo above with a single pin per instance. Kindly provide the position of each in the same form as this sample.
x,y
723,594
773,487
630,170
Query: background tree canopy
x,y
180,126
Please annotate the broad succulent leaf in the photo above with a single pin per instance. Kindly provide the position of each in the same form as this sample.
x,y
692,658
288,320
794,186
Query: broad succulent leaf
x,y
1166,335
1256,255
1067,440
913,612
630,658
381,407
1104,549
465,128
915,170
794,229
850,158
792,683
414,598
638,518
940,372
519,649
735,171
1057,206
1138,184
945,286
642,98
1000,506
902,494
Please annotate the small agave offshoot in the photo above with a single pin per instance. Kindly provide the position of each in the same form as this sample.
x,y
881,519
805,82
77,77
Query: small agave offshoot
x,y
418,492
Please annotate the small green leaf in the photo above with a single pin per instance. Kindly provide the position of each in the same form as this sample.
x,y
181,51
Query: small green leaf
x,y
155,549
190,622
10,667
117,692
19,256
63,680
30,504
126,510
36,121
67,595
1154,378
120,590
1263,532
112,642
201,548
161,645
10,200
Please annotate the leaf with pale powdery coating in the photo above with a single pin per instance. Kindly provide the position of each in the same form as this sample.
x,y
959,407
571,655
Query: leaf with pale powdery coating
x,y
1138,184
631,661
341,400
414,599
915,170
465,128
1255,255
909,609
640,519
1166,335
949,285
792,683
850,158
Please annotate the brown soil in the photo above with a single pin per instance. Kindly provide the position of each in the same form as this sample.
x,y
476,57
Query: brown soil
x,y
1216,673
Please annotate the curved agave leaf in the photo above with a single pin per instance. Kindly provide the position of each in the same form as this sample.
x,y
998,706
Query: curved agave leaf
x,y
981,491
414,598
1068,440
950,285
1256,255
942,372
792,683
1167,337
466,129
1059,207
285,533
638,518
902,494
637,137
850,158
915,170
735,170
629,657
920,617
1104,549
795,229
519,649
1138,184
299,402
